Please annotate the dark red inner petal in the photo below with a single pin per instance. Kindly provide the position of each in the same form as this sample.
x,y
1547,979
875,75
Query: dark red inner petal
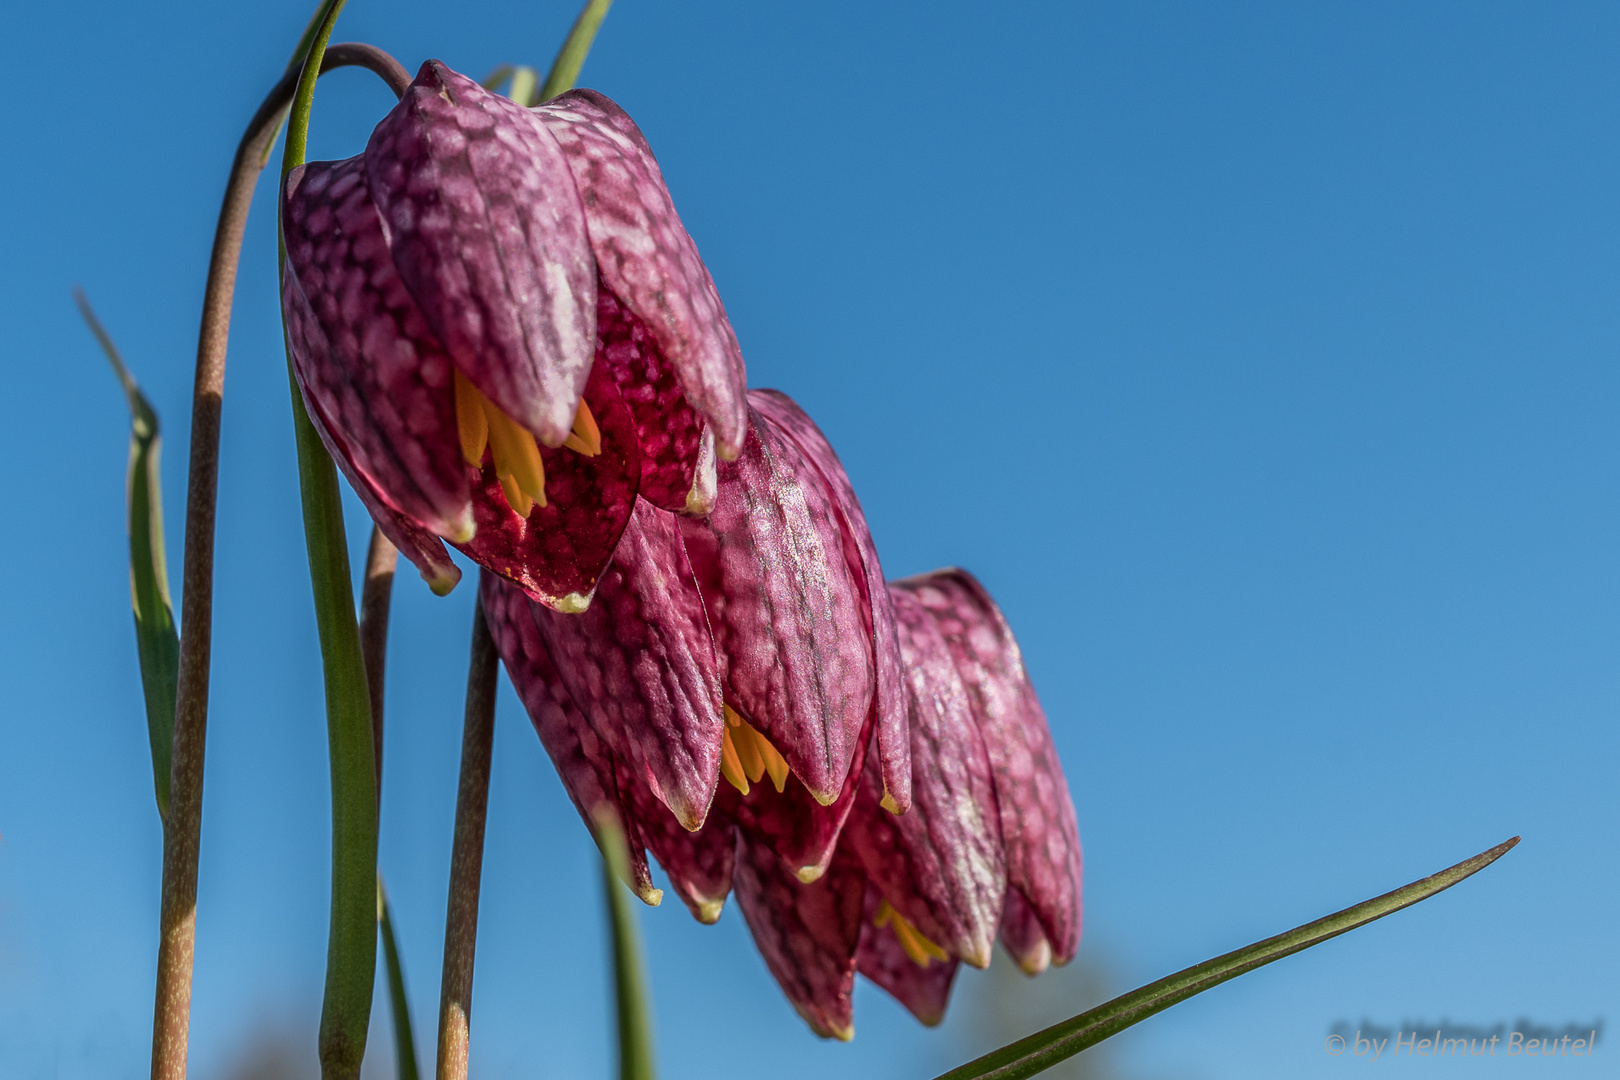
x,y
923,990
558,553
796,826
669,430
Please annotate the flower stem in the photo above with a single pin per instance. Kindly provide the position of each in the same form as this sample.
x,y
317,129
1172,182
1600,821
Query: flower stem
x,y
182,833
632,1002
467,855
376,596
565,69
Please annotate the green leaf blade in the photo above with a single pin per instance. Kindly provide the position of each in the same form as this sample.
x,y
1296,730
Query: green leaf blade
x,y
1044,1049
399,1003
570,59
157,638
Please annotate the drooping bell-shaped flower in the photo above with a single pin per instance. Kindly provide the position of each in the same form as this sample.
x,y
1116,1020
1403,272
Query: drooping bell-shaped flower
x,y
989,848
504,334
722,684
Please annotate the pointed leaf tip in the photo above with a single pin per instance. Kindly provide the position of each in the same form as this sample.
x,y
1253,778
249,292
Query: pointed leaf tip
x,y
1044,1049
157,639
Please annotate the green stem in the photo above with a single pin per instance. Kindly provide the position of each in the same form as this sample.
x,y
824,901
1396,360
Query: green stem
x,y
564,71
1044,1049
399,1003
351,950
632,1002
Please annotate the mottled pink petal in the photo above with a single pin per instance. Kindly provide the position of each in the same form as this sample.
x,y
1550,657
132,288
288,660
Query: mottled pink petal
x,y
558,553
698,863
925,991
806,933
363,353
1022,935
786,614
1037,815
489,235
646,257
640,662
670,431
941,865
792,822
583,759
893,739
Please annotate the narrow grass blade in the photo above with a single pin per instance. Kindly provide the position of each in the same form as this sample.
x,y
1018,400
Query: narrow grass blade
x,y
1042,1050
399,1004
565,69
631,996
520,81
156,637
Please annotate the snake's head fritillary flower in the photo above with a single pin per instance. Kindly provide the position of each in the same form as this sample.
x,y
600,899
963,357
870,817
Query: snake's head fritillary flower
x,y
504,334
989,848
732,674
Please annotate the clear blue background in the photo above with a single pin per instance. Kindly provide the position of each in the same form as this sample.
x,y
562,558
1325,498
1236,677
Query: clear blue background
x,y
1261,358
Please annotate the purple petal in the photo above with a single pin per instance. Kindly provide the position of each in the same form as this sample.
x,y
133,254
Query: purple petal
x,y
1022,935
806,933
1037,815
558,553
670,432
698,863
640,662
925,991
489,235
416,543
584,760
894,741
786,614
941,866
646,257
363,354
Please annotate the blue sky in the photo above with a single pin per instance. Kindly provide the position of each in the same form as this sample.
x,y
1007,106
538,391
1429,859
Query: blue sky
x,y
1260,358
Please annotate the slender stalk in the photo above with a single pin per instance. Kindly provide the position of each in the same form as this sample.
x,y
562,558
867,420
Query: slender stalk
x,y
399,1003
182,833
376,596
632,1002
565,69
467,855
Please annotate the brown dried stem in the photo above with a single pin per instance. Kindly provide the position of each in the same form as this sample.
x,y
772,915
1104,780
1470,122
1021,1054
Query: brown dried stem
x,y
467,855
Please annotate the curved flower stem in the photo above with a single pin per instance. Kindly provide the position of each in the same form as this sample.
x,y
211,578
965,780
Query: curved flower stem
x,y
565,69
467,855
376,596
183,823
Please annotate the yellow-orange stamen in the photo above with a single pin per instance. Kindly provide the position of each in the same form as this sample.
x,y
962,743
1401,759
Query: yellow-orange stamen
x,y
587,437
746,755
918,948
470,421
481,423
730,767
